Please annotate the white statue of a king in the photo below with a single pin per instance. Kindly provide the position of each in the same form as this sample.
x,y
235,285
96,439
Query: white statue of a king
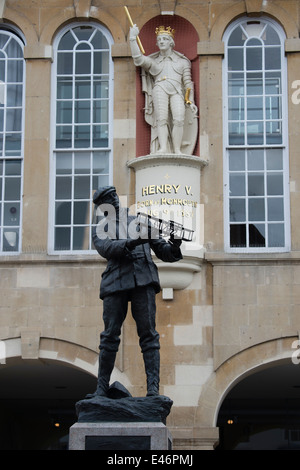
x,y
169,94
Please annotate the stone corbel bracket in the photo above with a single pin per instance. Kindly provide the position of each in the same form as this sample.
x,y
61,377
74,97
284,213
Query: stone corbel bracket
x,y
178,275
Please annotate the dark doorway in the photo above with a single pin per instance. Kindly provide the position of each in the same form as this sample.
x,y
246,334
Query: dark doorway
x,y
37,403
262,412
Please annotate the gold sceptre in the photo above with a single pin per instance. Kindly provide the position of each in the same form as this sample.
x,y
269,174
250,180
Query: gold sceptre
x,y
131,24
187,96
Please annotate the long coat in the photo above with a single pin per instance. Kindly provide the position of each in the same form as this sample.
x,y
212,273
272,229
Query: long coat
x,y
127,269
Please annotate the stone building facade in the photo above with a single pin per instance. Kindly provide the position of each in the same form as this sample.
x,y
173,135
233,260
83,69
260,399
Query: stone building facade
x,y
230,308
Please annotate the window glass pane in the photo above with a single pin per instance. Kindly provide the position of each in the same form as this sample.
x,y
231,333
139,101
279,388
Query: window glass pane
x,y
275,209
13,143
274,159
82,88
82,187
63,163
254,108
255,134
257,235
235,59
273,132
12,189
65,63
254,58
2,71
81,212
83,33
236,133
101,63
13,167
236,109
276,235
99,41
82,111
272,58
236,160
237,185
238,236
10,239
14,95
82,136
4,38
67,42
100,136
256,184
101,180
237,37
82,163
273,107
254,84
100,111
272,83
100,89
255,159
100,162
83,63
15,71
275,184
235,84
62,239
62,213
81,238
13,120
64,112
256,209
63,136
64,88
1,119
271,36
237,210
63,187
11,214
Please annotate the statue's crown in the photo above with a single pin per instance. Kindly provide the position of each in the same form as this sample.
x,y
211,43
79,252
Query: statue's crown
x,y
163,30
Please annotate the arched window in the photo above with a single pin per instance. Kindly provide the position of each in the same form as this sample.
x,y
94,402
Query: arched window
x,y
256,137
82,132
12,73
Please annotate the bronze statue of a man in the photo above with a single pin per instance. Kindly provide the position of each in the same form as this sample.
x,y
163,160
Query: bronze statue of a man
x,y
169,91
130,276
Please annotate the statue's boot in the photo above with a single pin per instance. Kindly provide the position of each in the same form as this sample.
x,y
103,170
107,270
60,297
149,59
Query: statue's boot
x,y
152,365
106,365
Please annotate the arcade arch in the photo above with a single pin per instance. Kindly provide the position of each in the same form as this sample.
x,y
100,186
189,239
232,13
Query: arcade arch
x,y
38,394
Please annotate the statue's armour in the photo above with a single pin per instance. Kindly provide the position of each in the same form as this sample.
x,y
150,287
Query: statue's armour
x,y
171,72
169,78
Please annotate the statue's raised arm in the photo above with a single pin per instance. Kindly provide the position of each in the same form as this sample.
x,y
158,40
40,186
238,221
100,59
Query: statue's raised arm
x,y
169,92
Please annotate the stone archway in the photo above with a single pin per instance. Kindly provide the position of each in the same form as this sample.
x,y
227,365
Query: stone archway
x,y
236,369
262,412
40,382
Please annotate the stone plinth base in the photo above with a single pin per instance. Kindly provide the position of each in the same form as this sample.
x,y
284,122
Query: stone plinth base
x,y
119,436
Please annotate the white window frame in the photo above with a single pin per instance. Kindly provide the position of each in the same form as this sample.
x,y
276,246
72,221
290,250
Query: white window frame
x,y
20,39
73,150
283,146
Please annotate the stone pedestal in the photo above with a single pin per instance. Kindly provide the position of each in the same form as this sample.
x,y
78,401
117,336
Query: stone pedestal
x,y
167,187
119,436
121,422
